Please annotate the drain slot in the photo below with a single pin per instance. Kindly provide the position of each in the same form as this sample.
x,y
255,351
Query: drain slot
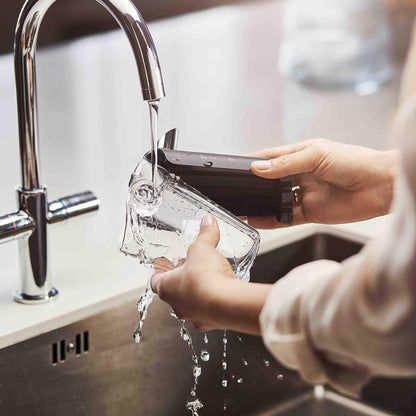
x,y
78,347
67,348
62,350
54,353
86,341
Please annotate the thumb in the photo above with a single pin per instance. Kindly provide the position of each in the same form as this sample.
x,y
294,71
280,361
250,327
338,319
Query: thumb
x,y
209,233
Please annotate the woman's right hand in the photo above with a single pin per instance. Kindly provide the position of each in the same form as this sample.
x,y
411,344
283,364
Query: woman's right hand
x,y
338,183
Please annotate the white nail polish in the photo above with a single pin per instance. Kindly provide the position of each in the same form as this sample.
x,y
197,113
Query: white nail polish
x,y
207,220
262,164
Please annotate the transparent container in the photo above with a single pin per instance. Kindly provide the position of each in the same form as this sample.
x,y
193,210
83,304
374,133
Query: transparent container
x,y
337,43
165,225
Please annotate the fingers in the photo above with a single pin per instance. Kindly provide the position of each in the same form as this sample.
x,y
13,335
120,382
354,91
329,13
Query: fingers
x,y
162,264
165,283
155,281
166,277
209,234
164,270
273,152
304,161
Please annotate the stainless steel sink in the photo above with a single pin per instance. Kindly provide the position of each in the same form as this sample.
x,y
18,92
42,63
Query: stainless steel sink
x,y
93,367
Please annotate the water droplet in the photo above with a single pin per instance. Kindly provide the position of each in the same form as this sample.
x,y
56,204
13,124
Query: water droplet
x,y
137,338
266,362
184,334
224,382
239,339
319,392
224,365
224,340
204,355
244,362
194,406
240,380
197,371
280,377
193,394
205,338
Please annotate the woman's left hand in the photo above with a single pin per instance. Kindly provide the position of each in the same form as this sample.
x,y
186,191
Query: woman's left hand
x,y
204,290
191,287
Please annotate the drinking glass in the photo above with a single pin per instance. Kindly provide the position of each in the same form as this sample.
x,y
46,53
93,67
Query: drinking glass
x,y
162,222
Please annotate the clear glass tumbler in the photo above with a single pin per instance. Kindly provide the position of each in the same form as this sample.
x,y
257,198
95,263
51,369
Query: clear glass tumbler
x,y
165,224
337,43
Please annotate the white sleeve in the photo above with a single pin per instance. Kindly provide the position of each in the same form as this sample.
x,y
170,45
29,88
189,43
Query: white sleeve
x,y
343,323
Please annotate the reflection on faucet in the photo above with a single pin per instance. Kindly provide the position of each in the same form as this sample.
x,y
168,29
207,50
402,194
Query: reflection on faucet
x,y
29,223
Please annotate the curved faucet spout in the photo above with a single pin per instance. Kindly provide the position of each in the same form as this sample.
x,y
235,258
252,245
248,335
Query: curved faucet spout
x,y
31,221
27,29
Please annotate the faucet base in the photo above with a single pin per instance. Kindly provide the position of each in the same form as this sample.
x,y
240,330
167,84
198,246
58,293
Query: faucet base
x,y
21,297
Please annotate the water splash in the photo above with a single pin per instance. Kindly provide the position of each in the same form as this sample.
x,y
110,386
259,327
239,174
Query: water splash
x,y
224,365
143,305
194,404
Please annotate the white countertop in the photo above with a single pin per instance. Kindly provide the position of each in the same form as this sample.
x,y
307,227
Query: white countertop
x,y
84,293
225,95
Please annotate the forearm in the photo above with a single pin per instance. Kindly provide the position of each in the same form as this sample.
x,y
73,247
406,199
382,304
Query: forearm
x,y
341,323
385,173
238,305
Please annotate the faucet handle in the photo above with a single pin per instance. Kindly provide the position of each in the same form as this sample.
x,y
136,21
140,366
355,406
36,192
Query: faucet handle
x,y
71,206
15,225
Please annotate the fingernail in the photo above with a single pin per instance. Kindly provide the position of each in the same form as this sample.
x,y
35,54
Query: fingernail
x,y
262,164
207,220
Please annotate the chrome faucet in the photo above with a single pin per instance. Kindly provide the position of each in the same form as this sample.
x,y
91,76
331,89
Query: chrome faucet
x,y
29,223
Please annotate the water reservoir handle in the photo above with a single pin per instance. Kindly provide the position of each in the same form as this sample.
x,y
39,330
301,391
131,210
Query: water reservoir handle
x,y
229,181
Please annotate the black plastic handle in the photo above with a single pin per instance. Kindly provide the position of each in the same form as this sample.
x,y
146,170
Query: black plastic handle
x,y
229,181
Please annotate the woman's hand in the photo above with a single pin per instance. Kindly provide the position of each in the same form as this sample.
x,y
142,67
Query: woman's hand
x,y
338,182
204,289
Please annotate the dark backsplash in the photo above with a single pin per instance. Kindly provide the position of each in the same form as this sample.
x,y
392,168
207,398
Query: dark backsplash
x,y
68,19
